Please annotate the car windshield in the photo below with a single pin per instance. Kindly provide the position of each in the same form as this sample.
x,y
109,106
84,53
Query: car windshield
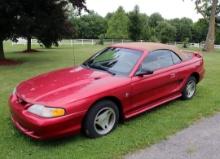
x,y
114,60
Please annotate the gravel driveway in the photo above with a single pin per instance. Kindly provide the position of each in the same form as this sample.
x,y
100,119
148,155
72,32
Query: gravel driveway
x,y
199,141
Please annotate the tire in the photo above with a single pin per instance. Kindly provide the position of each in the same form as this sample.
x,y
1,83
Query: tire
x,y
189,89
101,119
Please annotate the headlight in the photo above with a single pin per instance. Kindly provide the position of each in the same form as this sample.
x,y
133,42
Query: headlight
x,y
44,111
14,91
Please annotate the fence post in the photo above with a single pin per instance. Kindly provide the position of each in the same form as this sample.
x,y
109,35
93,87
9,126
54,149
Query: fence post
x,y
92,42
82,41
122,41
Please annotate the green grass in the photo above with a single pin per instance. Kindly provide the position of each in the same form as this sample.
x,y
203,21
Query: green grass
x,y
139,132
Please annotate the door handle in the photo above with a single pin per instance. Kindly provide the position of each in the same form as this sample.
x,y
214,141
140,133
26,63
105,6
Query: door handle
x,y
172,75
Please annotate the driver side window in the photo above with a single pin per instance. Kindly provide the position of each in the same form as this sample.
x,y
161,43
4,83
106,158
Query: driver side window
x,y
157,60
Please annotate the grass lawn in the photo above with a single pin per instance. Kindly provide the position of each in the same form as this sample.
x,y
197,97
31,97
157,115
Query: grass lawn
x,y
149,128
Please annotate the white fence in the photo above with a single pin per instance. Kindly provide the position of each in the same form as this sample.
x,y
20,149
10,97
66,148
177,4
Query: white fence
x,y
21,41
71,42
198,45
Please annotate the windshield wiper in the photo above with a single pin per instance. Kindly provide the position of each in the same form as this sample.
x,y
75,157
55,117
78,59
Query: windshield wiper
x,y
100,67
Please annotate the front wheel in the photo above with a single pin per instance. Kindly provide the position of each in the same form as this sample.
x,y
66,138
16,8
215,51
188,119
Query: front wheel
x,y
189,89
101,119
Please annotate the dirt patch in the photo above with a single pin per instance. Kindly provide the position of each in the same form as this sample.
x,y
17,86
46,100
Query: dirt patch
x,y
29,52
9,62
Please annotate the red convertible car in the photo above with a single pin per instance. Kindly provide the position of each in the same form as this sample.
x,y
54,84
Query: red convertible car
x,y
115,84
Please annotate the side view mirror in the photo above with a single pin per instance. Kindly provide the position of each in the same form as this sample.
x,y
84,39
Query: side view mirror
x,y
143,72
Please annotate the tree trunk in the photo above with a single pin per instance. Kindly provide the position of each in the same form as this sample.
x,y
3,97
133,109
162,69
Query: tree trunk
x,y
210,39
2,55
29,44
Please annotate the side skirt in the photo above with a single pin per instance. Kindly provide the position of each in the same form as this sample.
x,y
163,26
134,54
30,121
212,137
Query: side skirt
x,y
152,105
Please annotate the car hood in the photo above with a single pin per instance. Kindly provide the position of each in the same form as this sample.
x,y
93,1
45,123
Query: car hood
x,y
64,86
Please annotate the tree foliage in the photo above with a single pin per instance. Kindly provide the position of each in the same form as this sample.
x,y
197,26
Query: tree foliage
x,y
118,25
166,32
146,29
143,27
183,28
50,21
199,31
9,11
208,9
89,26
45,20
204,7
155,19
135,24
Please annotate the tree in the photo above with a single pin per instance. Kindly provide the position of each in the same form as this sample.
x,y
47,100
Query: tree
x,y
40,16
155,19
135,24
199,31
217,36
118,25
89,26
108,16
50,35
208,9
8,19
166,32
146,30
35,18
183,28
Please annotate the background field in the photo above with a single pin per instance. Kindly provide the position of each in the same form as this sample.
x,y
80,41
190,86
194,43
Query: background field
x,y
136,133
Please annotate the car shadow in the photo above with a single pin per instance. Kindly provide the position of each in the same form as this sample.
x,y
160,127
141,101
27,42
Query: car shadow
x,y
53,142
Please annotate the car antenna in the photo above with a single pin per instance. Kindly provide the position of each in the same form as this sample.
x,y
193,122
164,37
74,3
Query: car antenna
x,y
74,57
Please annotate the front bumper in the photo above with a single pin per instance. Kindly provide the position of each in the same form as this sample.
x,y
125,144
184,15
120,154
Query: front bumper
x,y
44,128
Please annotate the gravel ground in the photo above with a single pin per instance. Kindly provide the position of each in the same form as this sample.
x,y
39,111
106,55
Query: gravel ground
x,y
199,141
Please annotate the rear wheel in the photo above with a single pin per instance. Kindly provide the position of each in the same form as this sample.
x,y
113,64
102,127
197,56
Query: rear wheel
x,y
190,88
101,119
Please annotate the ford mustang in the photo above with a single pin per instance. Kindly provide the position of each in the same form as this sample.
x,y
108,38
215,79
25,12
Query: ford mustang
x,y
115,84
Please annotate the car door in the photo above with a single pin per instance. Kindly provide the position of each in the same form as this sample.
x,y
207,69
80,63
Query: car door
x,y
161,84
